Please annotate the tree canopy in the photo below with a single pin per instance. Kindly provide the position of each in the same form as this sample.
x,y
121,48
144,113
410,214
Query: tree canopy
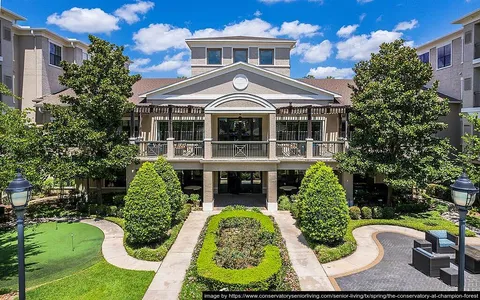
x,y
396,121
471,151
84,138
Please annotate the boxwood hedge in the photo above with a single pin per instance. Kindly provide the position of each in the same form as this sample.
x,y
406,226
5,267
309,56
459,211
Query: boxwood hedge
x,y
255,278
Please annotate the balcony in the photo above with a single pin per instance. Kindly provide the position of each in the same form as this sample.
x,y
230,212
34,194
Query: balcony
x,y
291,149
188,149
152,148
327,149
239,150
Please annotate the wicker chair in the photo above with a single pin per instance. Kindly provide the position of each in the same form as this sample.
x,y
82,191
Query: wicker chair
x,y
441,241
428,263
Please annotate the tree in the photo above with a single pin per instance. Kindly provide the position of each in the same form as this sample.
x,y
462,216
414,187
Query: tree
x,y
20,145
174,188
323,209
396,121
84,139
147,209
471,151
329,77
309,76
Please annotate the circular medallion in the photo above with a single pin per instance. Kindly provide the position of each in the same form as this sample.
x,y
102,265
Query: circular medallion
x,y
240,82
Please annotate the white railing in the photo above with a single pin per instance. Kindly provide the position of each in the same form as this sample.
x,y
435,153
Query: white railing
x,y
239,149
291,148
188,148
327,149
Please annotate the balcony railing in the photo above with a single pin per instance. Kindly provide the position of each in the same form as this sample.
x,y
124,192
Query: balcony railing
x,y
476,99
188,148
291,148
153,148
240,150
327,149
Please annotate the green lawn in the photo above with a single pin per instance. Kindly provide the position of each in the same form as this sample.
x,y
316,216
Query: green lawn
x,y
49,255
101,281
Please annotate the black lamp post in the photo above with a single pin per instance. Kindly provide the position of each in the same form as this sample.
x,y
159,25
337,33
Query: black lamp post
x,y
463,194
19,192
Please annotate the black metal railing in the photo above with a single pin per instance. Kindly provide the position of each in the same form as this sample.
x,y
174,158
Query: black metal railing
x,y
153,148
239,149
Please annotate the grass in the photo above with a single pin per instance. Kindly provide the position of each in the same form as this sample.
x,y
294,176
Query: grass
x,y
422,222
48,250
101,281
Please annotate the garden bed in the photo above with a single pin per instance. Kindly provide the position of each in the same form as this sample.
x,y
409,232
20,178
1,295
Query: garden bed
x,y
239,250
155,252
421,222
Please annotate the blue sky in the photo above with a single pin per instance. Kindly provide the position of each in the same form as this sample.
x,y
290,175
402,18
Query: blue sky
x,y
154,30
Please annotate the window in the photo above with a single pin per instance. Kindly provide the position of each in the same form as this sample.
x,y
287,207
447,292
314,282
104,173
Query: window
x,y
55,54
85,56
126,127
240,55
7,34
8,82
214,56
298,130
444,55
162,130
467,84
425,57
468,37
188,130
266,56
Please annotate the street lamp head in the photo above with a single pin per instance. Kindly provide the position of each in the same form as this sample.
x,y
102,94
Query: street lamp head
x,y
19,191
463,191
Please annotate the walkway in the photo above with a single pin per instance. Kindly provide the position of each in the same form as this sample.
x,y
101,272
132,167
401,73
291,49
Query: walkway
x,y
369,252
114,251
310,272
167,283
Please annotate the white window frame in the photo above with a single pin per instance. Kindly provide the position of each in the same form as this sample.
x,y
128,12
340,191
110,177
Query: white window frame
x,y
221,56
233,53
451,55
426,52
61,52
273,57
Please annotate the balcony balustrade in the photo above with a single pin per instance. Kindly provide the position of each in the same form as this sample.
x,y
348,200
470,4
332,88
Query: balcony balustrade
x,y
327,149
239,150
291,149
153,148
188,148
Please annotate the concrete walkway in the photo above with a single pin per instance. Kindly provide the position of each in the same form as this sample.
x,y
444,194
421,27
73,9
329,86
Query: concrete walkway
x,y
114,251
369,251
167,283
310,272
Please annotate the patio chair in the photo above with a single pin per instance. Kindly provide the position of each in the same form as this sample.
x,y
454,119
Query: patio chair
x,y
429,263
441,241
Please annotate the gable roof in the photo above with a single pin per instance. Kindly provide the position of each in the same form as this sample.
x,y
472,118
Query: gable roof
x,y
338,86
236,66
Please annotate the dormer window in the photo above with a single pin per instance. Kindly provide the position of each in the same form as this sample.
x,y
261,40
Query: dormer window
x,y
266,56
240,55
214,56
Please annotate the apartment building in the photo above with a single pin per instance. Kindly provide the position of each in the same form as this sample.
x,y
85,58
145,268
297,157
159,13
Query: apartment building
x,y
455,59
30,61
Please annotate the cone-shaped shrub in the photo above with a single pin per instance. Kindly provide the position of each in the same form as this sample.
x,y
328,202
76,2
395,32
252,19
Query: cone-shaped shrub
x,y
147,208
174,188
323,210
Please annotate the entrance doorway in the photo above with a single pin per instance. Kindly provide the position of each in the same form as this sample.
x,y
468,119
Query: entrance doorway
x,y
240,182
240,129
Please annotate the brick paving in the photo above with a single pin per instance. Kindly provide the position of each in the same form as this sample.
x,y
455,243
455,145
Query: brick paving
x,y
394,272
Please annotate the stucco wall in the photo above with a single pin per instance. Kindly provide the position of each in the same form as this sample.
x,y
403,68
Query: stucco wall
x,y
454,130
198,56
7,64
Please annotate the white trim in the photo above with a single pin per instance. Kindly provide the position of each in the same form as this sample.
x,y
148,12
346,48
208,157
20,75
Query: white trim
x,y
272,206
221,56
423,53
61,52
451,55
266,107
236,66
264,96
208,206
471,110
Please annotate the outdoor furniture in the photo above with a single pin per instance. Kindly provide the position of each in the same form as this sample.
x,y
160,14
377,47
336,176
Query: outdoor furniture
x,y
449,276
424,244
472,258
441,241
429,263
288,188
192,188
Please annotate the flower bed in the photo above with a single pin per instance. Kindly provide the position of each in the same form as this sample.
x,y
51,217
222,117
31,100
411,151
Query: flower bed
x,y
223,260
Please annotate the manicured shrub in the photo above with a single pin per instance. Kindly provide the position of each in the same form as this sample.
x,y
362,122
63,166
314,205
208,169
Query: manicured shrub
x,y
173,186
323,210
183,213
412,207
366,212
388,212
377,212
284,203
354,212
195,198
147,207
294,210
119,200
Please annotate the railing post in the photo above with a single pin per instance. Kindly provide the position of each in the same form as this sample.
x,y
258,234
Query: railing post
x,y
272,148
208,148
309,148
170,147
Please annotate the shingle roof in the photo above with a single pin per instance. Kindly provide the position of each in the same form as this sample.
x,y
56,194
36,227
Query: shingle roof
x,y
338,86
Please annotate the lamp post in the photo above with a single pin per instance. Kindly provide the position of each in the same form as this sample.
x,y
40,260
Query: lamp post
x,y
19,192
463,194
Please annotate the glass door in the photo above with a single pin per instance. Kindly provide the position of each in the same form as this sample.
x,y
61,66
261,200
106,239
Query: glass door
x,y
240,129
240,182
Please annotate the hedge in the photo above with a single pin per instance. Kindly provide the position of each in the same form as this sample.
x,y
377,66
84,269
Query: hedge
x,y
255,277
173,186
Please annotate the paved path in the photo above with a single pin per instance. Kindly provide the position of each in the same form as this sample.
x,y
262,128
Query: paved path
x,y
114,251
310,272
369,252
167,283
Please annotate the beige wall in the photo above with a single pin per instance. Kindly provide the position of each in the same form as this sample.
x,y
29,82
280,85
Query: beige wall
x,y
454,130
6,52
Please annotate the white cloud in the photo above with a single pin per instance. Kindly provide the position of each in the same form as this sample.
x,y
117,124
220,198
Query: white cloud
x,y
379,18
84,20
130,12
295,29
322,72
160,37
314,53
347,31
408,25
362,17
359,47
169,63
363,1
257,13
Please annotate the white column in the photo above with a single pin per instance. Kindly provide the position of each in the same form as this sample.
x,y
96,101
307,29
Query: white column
x,y
208,136
170,148
272,136
309,149
207,190
272,191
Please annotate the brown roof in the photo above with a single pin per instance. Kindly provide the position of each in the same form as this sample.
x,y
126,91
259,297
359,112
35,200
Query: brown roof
x,y
338,86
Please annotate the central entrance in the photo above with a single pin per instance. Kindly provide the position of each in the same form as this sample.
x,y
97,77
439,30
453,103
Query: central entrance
x,y
240,129
240,183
